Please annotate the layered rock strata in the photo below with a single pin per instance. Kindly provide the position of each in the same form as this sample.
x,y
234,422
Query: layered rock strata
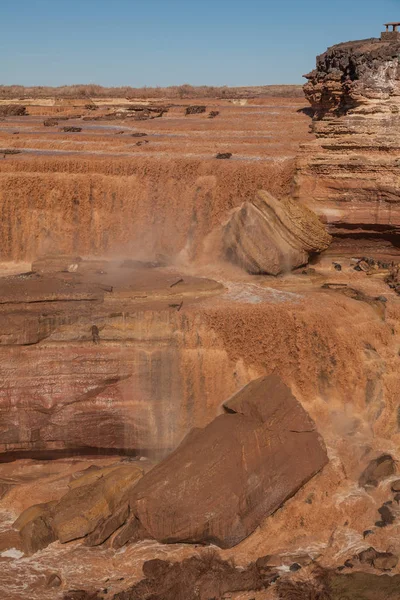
x,y
333,344
271,236
350,175
137,188
137,367
94,357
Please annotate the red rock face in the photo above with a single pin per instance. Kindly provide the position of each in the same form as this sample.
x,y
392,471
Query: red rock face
x,y
216,487
155,371
350,175
82,370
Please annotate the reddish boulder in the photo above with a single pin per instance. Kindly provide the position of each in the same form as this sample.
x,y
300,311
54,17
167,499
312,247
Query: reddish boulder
x,y
385,561
95,506
223,480
395,487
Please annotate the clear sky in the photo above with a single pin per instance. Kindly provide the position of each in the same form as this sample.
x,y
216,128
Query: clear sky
x,y
170,42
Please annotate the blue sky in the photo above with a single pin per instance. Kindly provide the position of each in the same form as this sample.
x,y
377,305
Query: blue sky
x,y
169,42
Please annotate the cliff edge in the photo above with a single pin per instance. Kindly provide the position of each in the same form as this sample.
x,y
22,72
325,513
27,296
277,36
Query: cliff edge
x,y
350,173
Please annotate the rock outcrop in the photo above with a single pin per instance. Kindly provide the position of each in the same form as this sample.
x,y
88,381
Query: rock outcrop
x,y
35,527
350,175
90,349
216,487
361,75
224,479
271,236
198,577
97,500
201,578
384,561
12,110
328,584
377,470
165,198
195,109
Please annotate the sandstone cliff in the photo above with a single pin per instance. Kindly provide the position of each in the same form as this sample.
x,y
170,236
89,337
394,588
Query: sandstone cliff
x,y
350,174
155,371
271,236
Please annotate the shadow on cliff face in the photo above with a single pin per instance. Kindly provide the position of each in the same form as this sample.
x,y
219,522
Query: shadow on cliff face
x,y
55,454
306,110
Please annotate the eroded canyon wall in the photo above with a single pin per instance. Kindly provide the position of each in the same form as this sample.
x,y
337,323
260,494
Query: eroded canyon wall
x,y
350,175
157,373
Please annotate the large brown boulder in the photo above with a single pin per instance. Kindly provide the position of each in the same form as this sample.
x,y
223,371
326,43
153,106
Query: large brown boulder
x,y
271,236
200,577
219,484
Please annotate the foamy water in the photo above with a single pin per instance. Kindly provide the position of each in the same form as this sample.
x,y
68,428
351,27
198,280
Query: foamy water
x,y
254,294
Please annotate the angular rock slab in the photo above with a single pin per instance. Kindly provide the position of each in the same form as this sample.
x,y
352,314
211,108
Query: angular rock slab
x,y
223,480
271,236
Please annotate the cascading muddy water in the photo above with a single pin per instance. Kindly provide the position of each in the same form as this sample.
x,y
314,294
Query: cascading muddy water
x,y
135,346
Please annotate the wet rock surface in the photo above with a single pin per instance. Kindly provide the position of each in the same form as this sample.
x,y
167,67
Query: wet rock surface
x,y
328,585
93,503
95,193
65,302
98,357
195,578
71,129
321,504
207,576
